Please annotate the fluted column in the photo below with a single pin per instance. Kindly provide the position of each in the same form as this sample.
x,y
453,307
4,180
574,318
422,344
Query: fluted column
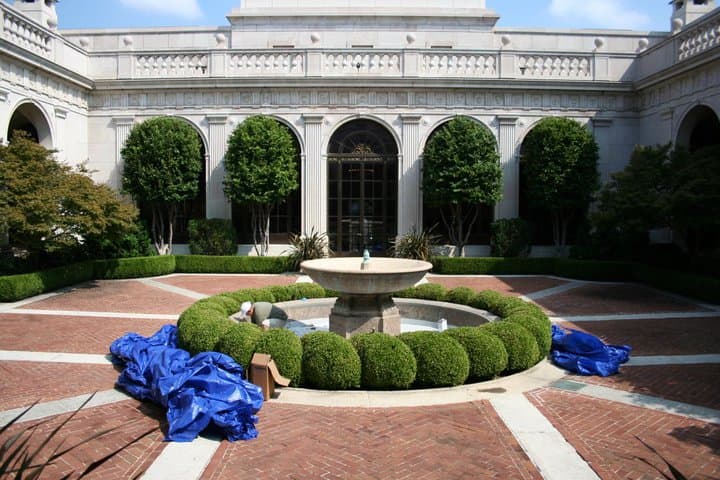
x,y
409,197
123,125
314,178
508,205
216,205
601,132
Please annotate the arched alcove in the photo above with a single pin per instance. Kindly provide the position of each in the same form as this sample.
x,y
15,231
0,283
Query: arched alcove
x,y
28,118
700,128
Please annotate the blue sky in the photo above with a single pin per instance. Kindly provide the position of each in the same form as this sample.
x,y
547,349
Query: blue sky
x,y
632,14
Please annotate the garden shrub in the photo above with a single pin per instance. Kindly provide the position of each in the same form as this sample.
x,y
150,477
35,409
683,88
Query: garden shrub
x,y
201,331
239,342
282,293
460,295
521,347
425,291
228,264
230,304
387,362
310,290
540,329
212,236
17,287
285,349
264,294
486,352
329,362
704,288
492,266
441,360
488,300
510,237
593,269
134,267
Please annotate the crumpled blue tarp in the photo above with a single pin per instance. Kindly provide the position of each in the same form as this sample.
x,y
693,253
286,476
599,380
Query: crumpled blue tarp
x,y
197,391
586,354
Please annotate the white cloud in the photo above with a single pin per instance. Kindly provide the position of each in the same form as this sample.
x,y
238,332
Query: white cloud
x,y
176,8
601,13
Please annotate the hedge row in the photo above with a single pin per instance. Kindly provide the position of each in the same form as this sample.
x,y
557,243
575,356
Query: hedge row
x,y
376,360
231,264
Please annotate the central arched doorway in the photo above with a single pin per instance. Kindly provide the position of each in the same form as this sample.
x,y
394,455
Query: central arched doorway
x,y
362,188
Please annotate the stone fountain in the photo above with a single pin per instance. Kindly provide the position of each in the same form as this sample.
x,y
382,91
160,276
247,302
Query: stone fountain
x,y
365,286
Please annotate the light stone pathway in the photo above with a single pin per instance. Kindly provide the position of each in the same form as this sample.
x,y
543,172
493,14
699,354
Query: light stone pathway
x,y
545,446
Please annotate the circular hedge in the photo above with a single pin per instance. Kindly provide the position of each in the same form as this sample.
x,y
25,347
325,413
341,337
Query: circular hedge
x,y
449,358
441,360
486,352
329,362
386,362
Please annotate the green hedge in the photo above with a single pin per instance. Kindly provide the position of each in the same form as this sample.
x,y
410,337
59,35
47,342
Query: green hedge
x,y
231,264
134,267
521,347
492,266
329,362
386,362
486,353
239,342
285,349
704,288
593,269
441,360
17,287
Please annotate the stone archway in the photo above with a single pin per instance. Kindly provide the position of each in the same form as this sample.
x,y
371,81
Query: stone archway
x,y
28,118
700,128
362,188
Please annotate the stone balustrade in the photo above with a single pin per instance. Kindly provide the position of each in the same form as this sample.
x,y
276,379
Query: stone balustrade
x,y
698,39
555,66
171,65
368,63
459,65
265,63
22,33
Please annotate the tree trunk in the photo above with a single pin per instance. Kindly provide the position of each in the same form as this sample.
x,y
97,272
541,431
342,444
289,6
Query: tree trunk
x,y
261,228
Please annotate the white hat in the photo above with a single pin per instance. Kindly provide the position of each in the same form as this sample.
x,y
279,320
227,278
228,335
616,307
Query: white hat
x,y
245,308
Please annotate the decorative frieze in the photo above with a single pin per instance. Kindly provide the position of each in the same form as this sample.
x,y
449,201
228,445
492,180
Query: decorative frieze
x,y
555,66
459,65
266,64
171,66
39,83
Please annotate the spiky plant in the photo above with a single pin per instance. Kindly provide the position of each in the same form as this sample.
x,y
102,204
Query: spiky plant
x,y
308,247
415,244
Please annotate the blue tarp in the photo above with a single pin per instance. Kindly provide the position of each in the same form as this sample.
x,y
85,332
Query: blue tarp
x,y
586,354
197,391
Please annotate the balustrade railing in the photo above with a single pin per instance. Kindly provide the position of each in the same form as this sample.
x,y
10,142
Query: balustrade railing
x,y
459,65
369,63
266,63
27,35
171,65
698,39
555,66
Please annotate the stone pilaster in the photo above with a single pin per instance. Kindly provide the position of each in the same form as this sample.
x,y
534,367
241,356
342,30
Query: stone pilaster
x,y
666,118
409,208
123,125
508,205
60,134
216,205
314,178
601,132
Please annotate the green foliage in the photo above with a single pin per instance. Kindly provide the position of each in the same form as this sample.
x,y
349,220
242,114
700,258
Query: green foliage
x,y
559,171
461,170
239,341
329,362
460,295
200,329
387,362
308,247
134,243
234,264
425,291
48,209
134,267
493,266
489,300
441,360
593,269
214,236
162,164
17,287
309,290
510,237
538,327
261,171
521,347
486,353
286,349
697,286
415,244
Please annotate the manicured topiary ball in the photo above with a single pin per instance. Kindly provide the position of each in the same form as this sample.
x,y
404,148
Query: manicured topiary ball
x,y
486,352
539,327
239,342
387,363
200,329
520,345
285,349
441,360
329,362
460,295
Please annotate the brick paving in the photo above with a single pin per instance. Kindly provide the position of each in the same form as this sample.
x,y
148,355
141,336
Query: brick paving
x,y
466,440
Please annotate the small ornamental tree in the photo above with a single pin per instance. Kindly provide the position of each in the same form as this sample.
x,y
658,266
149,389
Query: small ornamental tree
x,y
461,171
48,209
261,171
559,166
163,161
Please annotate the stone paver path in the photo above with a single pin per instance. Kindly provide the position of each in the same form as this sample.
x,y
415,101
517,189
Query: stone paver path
x,y
596,421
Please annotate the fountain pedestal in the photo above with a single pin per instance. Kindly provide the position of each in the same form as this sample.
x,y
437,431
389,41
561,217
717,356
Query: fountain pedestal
x,y
354,314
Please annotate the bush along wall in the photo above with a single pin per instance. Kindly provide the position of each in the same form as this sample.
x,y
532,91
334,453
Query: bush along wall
x,y
376,361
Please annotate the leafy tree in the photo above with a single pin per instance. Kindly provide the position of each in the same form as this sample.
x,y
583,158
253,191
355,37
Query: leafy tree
x,y
559,166
163,161
47,208
461,171
261,171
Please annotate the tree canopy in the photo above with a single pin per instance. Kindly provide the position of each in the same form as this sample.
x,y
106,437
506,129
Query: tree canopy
x,y
461,170
261,171
559,170
162,164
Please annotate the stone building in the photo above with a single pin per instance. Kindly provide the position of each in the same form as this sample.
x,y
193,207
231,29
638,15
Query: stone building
x,y
361,89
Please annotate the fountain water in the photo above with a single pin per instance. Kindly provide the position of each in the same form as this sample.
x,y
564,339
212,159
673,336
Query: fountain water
x,y
365,286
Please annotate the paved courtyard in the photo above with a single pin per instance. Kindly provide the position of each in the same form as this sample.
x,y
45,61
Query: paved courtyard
x,y
53,350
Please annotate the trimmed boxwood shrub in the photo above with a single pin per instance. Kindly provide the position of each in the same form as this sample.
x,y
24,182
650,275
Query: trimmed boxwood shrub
x,y
486,352
17,287
239,342
593,269
520,345
134,267
460,295
425,291
230,264
310,290
441,360
201,331
540,329
488,300
285,349
329,362
387,363
492,266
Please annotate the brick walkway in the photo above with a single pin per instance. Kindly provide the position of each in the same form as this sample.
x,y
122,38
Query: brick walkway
x,y
465,440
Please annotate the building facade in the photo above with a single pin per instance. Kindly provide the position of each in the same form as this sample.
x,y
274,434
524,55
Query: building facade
x,y
361,89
